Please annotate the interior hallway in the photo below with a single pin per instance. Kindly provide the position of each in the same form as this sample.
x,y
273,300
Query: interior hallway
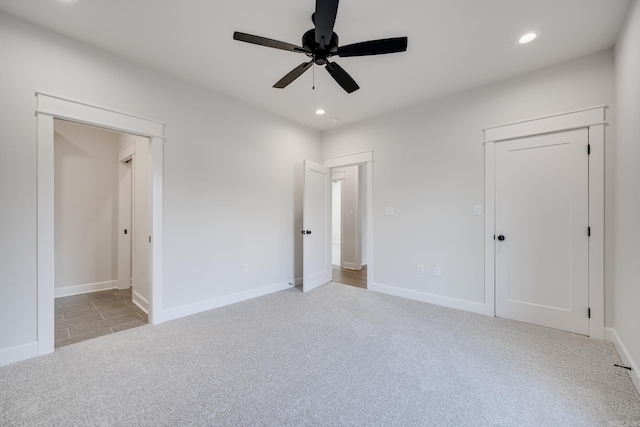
x,y
85,316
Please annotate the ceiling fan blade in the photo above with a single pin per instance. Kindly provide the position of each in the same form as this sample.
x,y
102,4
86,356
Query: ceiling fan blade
x,y
342,77
293,74
262,41
325,19
374,47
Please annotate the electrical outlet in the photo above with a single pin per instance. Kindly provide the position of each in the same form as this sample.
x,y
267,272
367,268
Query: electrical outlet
x,y
420,269
437,271
245,268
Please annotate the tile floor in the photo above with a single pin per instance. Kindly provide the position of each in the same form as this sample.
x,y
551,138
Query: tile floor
x,y
86,316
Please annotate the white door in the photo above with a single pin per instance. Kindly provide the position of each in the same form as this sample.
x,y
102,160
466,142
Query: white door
x,y
316,219
542,230
124,225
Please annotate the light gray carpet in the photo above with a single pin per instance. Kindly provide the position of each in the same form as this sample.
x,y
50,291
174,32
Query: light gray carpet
x,y
336,356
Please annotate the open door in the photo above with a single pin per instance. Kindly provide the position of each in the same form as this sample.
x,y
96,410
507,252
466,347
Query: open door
x,y
316,211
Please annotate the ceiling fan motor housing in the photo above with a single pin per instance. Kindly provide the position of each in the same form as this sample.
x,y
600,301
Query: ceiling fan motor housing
x,y
319,53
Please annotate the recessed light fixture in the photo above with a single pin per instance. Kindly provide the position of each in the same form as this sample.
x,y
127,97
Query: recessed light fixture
x,y
68,1
334,120
319,111
528,38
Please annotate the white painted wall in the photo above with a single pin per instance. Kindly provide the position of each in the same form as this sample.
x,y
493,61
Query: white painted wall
x,y
232,191
336,210
86,208
625,173
429,166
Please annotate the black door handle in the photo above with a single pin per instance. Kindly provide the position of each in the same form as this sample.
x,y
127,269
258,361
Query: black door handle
x,y
501,237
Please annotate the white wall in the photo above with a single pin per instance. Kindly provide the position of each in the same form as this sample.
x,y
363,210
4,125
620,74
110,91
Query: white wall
x,y
626,176
232,192
86,208
336,210
429,166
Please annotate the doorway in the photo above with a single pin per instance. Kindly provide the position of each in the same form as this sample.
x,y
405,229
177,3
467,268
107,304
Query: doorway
x,y
542,221
590,122
50,107
317,218
348,267
99,287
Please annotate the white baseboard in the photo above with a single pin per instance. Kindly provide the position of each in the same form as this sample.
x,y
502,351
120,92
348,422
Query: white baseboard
x,y
364,261
83,289
198,307
611,335
18,353
297,281
140,301
349,265
474,307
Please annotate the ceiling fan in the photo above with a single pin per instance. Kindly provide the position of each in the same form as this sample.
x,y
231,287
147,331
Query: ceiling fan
x,y
321,43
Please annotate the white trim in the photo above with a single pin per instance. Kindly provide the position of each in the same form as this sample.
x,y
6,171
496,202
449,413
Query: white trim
x,y
348,159
611,335
597,107
591,118
350,266
48,108
364,158
127,153
140,301
85,289
18,353
471,306
489,229
85,104
199,307
45,240
554,123
596,222
297,281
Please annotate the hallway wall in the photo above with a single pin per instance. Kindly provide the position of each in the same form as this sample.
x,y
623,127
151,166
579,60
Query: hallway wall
x,y
86,208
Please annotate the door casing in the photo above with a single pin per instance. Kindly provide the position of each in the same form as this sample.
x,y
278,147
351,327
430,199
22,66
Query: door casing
x,y
593,119
365,160
50,107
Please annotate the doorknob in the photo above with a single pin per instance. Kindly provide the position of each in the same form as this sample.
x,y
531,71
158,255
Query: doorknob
x,y
306,231
501,237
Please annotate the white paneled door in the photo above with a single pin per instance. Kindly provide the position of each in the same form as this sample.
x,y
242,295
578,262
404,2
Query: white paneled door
x,y
316,230
542,230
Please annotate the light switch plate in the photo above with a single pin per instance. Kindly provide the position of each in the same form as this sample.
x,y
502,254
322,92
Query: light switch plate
x,y
477,210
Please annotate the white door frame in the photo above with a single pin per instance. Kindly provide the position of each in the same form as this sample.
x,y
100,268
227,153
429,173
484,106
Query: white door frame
x,y
364,159
593,119
50,107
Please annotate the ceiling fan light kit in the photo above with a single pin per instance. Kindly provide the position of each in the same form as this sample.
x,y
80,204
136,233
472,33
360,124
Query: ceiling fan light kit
x,y
321,43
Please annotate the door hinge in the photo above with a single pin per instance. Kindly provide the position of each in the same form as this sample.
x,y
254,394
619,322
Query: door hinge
x,y
149,239
494,237
589,313
589,231
588,148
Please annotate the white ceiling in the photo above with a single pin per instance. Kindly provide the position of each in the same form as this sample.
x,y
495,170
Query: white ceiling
x,y
453,45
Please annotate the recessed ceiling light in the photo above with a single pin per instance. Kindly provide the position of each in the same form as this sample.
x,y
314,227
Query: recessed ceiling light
x,y
319,111
528,38
334,120
68,1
